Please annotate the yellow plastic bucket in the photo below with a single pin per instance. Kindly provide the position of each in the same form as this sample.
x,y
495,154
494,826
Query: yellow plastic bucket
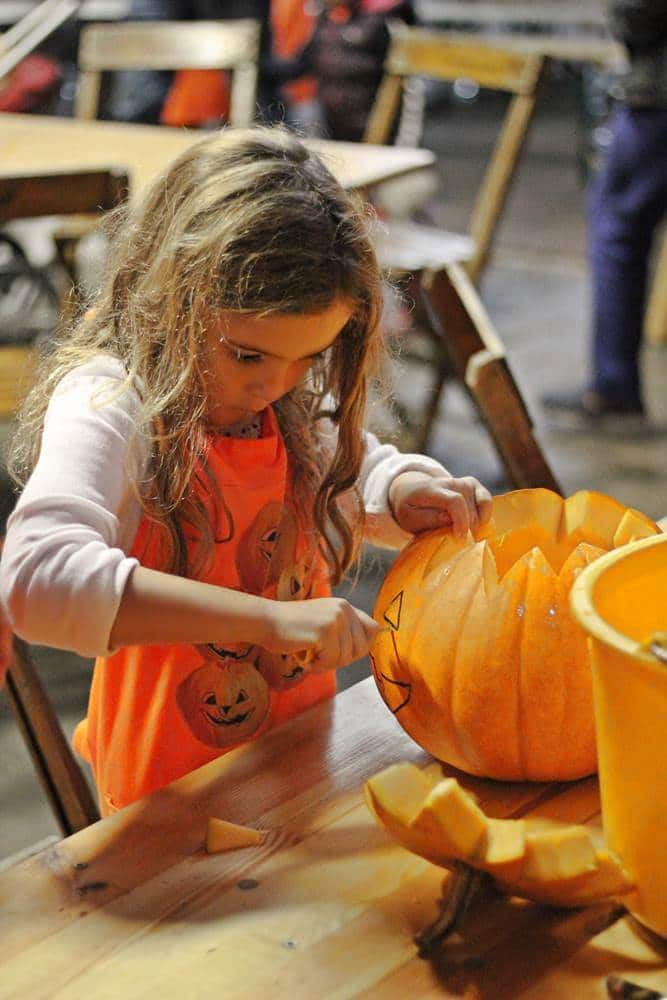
x,y
621,601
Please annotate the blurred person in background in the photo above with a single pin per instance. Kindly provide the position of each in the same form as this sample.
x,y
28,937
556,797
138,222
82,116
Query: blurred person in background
x,y
320,65
345,54
628,202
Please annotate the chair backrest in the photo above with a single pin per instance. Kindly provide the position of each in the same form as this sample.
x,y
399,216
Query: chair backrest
x,y
424,52
63,781
171,45
28,32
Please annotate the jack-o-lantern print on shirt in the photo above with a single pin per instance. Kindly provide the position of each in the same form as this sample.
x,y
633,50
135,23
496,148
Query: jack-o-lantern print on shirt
x,y
158,712
268,556
267,547
226,700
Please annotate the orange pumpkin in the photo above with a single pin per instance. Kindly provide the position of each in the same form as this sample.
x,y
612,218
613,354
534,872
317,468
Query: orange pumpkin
x,y
480,659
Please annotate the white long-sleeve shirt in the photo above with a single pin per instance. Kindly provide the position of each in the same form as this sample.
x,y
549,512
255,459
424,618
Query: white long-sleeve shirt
x,y
65,560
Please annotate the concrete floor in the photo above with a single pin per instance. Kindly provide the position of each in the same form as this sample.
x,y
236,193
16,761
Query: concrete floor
x,y
536,293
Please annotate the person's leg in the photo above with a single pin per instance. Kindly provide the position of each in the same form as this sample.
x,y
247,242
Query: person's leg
x,y
628,200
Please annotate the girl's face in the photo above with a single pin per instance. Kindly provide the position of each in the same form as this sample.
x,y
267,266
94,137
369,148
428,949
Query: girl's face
x,y
251,361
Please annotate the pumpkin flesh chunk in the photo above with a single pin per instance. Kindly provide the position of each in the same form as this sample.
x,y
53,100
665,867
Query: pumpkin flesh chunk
x,y
540,859
222,835
452,818
558,854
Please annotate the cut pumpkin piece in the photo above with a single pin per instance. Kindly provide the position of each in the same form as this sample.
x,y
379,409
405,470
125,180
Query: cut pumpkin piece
x,y
396,796
452,819
400,791
504,848
605,881
556,854
224,836
536,858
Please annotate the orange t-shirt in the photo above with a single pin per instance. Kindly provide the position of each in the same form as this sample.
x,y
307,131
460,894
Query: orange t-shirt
x,y
157,712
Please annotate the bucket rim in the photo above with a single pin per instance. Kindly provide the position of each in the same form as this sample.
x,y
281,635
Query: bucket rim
x,y
585,612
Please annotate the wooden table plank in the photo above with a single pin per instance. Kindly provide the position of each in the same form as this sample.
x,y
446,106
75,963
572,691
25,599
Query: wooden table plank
x,y
34,143
327,905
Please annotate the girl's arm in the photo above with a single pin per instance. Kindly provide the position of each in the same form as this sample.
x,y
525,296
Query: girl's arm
x,y
158,608
67,580
64,562
408,494
382,465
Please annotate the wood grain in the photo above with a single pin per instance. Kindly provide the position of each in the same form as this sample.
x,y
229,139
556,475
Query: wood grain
x,y
34,143
326,906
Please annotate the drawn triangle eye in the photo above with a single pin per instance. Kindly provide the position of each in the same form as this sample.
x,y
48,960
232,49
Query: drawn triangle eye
x,y
392,614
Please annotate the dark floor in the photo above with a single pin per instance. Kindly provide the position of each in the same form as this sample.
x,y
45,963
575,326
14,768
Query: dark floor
x,y
536,294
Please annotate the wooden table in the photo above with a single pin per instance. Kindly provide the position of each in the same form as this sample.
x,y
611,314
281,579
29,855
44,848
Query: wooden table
x,y
34,143
326,906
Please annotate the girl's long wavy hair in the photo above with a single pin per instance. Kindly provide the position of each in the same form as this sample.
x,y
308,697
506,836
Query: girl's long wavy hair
x,y
248,220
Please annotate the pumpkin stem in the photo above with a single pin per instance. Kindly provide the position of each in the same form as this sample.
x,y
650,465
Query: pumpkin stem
x,y
464,885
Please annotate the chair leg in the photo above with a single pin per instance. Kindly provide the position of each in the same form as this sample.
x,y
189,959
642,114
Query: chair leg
x,y
477,357
442,371
65,785
437,361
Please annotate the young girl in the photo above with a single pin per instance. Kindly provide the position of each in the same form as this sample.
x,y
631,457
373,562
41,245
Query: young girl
x,y
189,500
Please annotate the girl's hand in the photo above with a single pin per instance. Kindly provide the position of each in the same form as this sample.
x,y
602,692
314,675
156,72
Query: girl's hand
x,y
421,502
329,631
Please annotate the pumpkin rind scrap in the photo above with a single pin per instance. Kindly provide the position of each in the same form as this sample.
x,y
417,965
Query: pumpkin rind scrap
x,y
536,858
482,662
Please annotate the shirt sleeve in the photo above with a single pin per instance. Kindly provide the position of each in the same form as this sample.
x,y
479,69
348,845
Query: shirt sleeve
x,y
64,561
383,462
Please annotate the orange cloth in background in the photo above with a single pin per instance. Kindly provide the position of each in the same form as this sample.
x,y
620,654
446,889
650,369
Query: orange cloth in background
x,y
200,96
195,97
158,712
291,28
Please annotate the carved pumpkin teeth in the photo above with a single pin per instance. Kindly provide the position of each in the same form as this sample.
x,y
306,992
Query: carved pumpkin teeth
x,y
451,547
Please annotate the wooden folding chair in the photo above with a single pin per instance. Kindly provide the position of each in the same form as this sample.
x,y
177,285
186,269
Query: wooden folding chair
x,y
444,265
171,45
22,197
34,196
476,356
63,781
231,46
422,52
31,30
